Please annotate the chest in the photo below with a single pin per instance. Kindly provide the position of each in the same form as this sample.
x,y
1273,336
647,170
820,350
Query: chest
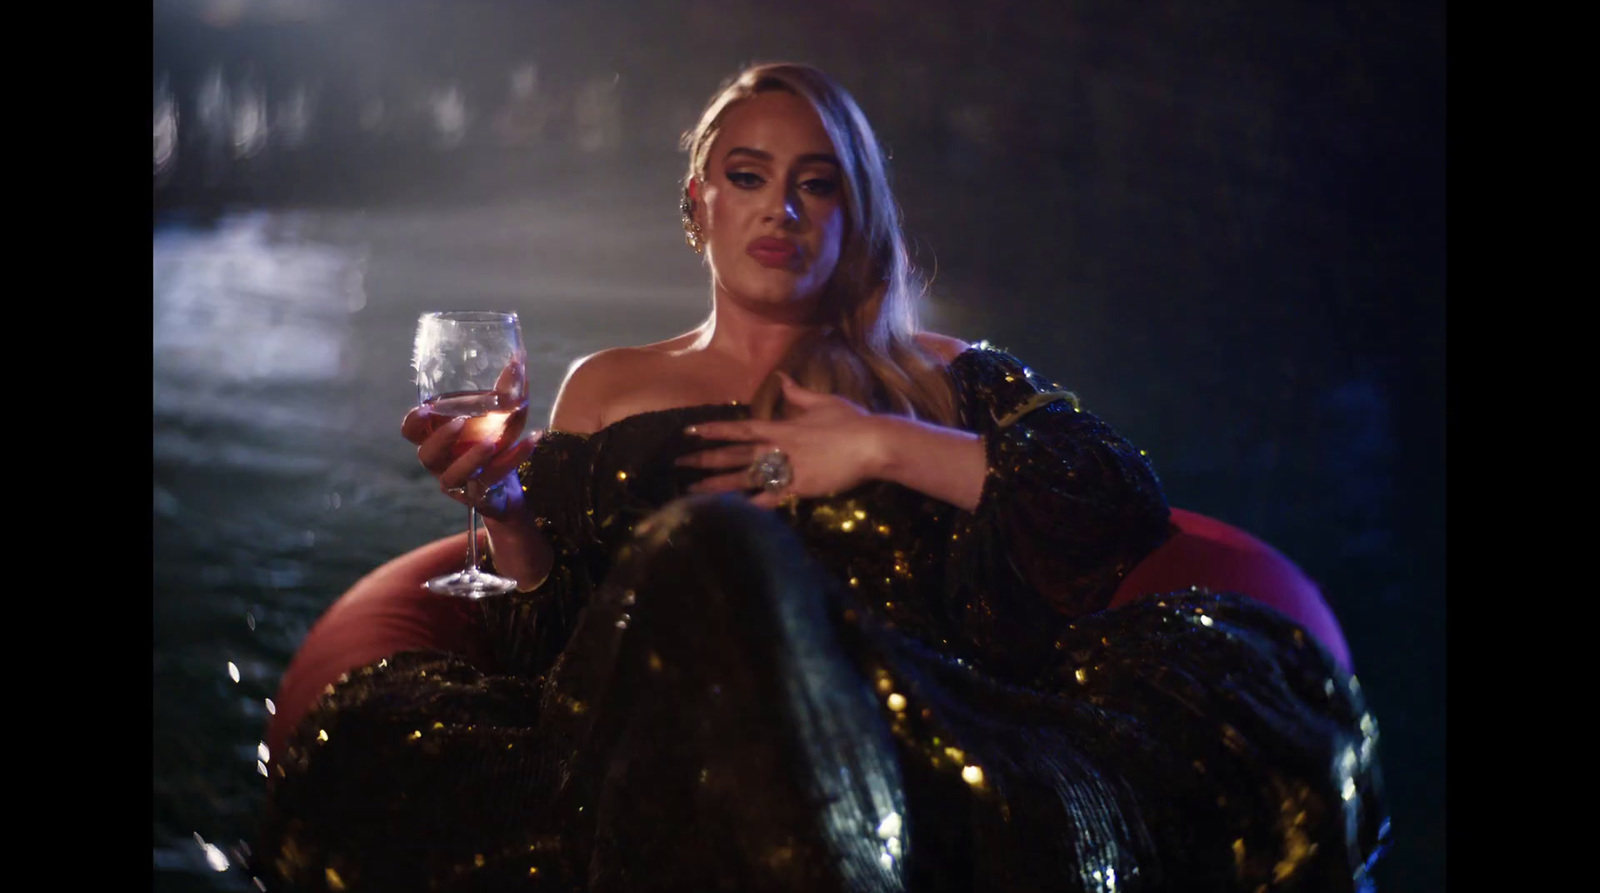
x,y
668,382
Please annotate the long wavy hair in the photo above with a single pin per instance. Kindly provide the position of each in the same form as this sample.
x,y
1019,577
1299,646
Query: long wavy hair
x,y
865,347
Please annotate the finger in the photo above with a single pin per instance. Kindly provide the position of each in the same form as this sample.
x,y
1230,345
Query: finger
x,y
745,430
512,378
434,450
491,501
417,424
499,438
512,429
739,455
467,467
458,494
508,461
799,395
768,499
722,483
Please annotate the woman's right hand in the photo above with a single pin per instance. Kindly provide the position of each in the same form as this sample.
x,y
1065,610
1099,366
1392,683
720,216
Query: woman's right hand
x,y
485,477
481,474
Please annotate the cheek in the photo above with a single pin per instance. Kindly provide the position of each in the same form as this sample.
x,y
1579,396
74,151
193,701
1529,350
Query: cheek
x,y
832,233
724,206
710,198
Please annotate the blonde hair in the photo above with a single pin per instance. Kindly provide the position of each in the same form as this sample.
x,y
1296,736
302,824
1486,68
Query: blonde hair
x,y
866,348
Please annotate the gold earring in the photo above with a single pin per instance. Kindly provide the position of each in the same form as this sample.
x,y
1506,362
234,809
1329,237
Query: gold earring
x,y
691,227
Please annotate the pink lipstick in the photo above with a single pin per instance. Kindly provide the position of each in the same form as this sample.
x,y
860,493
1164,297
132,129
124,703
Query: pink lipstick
x,y
771,252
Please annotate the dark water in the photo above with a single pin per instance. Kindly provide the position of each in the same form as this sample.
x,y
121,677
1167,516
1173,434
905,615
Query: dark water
x,y
1224,232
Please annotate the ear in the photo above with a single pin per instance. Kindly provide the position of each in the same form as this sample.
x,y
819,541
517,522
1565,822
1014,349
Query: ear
x,y
694,193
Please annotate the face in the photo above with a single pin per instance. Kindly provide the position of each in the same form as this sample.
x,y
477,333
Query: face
x,y
771,205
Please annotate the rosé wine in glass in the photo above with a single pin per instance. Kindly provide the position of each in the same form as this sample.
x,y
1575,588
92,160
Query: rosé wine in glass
x,y
471,364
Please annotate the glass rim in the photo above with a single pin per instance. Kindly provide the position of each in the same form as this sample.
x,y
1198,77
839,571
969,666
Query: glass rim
x,y
471,315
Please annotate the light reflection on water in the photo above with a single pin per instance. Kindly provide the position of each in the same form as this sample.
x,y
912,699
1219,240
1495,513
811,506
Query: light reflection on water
x,y
280,373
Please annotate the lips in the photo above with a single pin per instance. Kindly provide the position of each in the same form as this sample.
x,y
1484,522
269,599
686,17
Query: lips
x,y
770,252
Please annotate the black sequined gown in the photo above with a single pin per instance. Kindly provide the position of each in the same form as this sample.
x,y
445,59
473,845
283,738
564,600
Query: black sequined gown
x,y
875,692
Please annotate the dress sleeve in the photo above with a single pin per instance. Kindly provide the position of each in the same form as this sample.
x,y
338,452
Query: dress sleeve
x,y
527,630
1068,506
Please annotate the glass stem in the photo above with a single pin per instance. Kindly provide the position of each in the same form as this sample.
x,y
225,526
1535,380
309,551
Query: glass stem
x,y
472,539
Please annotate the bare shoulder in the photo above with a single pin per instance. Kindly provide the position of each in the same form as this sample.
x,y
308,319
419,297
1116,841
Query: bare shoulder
x,y
944,347
596,382
580,401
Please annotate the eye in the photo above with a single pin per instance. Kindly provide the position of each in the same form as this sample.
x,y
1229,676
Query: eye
x,y
820,186
745,179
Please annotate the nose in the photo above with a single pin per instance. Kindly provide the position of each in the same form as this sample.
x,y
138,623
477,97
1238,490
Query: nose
x,y
788,209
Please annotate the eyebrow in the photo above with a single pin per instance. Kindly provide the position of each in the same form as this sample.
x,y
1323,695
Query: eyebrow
x,y
824,157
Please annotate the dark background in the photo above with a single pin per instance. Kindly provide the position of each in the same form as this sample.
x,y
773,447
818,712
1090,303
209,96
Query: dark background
x,y
1220,223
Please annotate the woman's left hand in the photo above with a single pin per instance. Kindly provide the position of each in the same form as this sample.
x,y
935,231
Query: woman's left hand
x,y
831,443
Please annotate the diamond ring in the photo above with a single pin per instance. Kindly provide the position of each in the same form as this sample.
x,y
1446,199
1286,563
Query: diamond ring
x,y
772,472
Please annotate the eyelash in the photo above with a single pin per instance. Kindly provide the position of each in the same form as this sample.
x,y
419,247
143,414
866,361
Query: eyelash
x,y
818,186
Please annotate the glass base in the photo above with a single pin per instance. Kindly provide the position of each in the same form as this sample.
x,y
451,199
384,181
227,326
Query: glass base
x,y
472,584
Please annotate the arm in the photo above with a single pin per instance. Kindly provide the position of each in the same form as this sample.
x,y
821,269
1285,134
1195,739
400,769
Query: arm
x,y
833,445
516,545
517,549
520,551
1068,504
1050,494
493,478
945,463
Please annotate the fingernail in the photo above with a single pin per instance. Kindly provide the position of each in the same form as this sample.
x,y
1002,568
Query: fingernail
x,y
691,430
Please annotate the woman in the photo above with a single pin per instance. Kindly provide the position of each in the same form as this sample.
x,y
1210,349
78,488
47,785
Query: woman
x,y
811,600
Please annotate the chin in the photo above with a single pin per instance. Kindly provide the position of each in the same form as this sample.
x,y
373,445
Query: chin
x,y
771,287
775,297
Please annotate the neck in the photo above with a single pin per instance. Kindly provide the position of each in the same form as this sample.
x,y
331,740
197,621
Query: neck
x,y
751,338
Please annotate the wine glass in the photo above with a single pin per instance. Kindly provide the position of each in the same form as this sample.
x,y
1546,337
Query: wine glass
x,y
471,363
